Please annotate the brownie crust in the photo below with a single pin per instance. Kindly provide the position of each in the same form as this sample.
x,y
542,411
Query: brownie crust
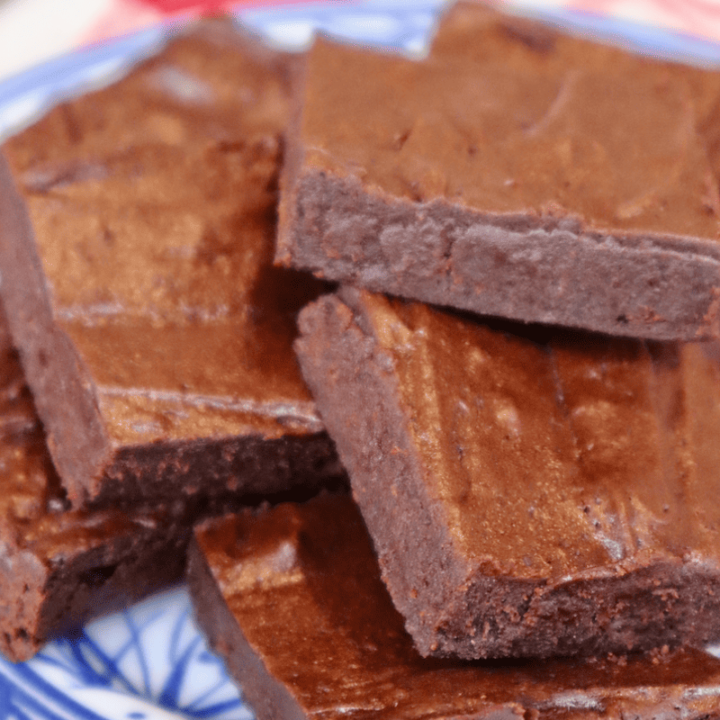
x,y
293,601
541,217
525,500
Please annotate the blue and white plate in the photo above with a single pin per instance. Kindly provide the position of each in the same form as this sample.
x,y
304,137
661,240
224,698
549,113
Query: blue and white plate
x,y
151,661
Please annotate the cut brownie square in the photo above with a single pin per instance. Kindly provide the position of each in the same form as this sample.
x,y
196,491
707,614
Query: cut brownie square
x,y
137,227
581,197
58,568
293,601
525,499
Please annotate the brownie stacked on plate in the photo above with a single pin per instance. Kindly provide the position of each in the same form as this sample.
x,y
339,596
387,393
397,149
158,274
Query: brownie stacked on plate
x,y
137,228
156,336
530,492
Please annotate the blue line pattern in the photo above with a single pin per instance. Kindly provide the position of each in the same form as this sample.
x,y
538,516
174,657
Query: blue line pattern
x,y
151,661
127,666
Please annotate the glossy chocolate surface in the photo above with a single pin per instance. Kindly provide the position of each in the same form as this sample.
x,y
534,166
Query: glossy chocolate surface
x,y
296,594
151,314
522,177
549,490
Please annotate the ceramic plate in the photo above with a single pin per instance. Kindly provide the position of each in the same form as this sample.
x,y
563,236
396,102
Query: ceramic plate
x,y
151,661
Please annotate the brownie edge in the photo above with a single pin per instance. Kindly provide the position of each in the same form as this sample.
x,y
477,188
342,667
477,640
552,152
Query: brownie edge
x,y
268,697
292,599
464,186
524,499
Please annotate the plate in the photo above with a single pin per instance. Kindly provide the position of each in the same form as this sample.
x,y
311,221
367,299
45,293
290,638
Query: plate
x,y
150,661
147,662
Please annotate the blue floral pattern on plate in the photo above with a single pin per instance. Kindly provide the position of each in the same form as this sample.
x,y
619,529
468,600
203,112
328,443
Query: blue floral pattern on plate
x,y
151,661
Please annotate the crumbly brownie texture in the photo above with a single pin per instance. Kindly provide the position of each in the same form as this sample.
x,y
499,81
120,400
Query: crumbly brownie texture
x,y
57,568
583,197
136,255
525,499
293,601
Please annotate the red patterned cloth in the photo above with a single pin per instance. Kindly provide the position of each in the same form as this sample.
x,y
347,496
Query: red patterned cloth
x,y
123,16
33,31
694,17
169,7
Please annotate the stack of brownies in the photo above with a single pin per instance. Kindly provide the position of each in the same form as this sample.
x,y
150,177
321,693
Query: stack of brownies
x,y
535,523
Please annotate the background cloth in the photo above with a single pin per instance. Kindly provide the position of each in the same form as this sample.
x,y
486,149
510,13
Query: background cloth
x,y
32,31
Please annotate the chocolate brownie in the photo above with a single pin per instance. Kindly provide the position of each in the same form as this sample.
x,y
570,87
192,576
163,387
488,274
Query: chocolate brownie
x,y
479,33
525,499
137,228
583,197
293,601
57,568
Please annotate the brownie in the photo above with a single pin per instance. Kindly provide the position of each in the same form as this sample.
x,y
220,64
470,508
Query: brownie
x,y
570,193
525,498
137,228
58,567
293,601
479,33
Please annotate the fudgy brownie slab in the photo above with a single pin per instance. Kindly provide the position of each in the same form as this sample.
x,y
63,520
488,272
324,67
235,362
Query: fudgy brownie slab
x,y
137,230
581,197
59,567
293,601
525,499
